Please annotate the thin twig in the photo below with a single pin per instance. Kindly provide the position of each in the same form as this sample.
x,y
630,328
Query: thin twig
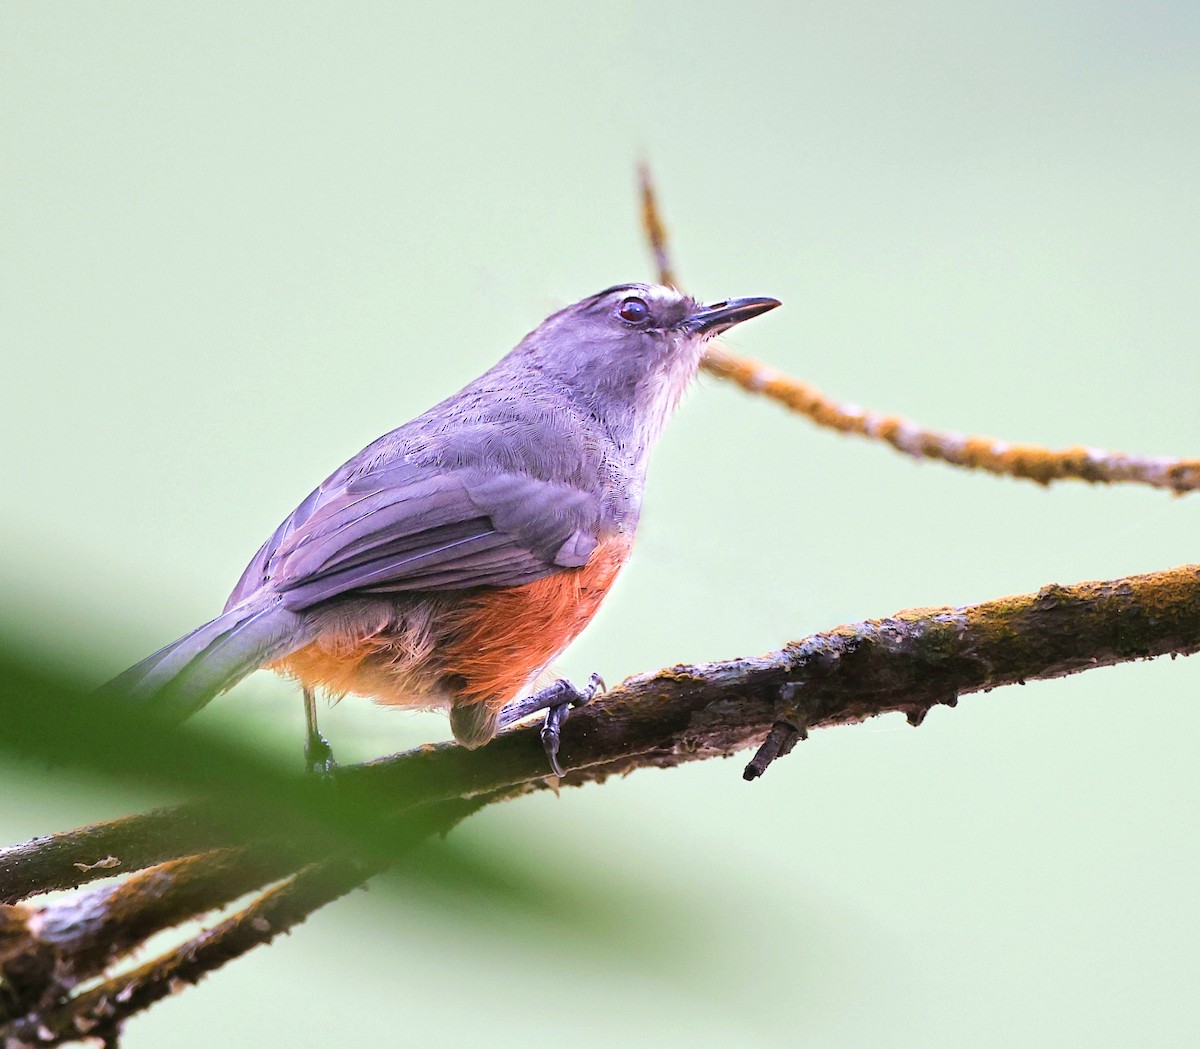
x,y
1028,462
655,230
779,743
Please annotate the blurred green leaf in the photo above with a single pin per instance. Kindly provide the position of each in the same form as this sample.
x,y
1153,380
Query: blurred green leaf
x,y
49,715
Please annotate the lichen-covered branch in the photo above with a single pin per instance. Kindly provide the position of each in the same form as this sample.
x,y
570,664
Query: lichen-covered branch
x,y
908,662
66,861
55,947
101,1011
1026,461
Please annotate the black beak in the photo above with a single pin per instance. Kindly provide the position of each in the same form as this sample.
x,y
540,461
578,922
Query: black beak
x,y
721,316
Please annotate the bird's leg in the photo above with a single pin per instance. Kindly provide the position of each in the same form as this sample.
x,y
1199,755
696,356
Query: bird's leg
x,y
557,700
318,754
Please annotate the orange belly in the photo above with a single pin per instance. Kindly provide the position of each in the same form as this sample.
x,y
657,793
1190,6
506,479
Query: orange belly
x,y
502,639
464,647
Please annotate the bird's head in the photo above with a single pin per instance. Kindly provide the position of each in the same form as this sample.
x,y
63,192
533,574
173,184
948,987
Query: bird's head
x,y
628,352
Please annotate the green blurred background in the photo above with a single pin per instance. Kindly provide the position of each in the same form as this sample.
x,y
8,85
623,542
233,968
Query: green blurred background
x,y
240,241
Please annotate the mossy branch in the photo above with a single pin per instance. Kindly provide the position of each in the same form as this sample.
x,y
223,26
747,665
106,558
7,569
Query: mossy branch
x,y
908,663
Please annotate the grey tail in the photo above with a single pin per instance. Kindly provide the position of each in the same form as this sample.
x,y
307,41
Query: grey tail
x,y
182,677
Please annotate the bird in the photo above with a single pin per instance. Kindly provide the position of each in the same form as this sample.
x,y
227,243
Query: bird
x,y
449,563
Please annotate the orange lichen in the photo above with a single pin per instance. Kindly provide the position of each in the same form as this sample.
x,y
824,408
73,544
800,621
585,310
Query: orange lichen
x,y
1027,461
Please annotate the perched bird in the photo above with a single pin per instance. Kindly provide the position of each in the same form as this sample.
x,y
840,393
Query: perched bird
x,y
451,561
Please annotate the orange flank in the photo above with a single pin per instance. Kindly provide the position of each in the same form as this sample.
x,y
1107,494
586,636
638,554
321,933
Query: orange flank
x,y
503,638
468,648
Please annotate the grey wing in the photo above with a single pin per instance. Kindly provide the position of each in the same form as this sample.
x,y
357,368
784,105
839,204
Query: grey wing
x,y
408,527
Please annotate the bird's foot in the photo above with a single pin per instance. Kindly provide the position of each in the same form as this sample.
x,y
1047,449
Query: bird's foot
x,y
318,756
558,700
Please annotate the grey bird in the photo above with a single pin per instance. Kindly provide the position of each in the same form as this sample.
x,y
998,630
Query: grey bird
x,y
451,561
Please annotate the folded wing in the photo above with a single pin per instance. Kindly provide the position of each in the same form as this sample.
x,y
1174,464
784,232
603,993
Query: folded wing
x,y
403,527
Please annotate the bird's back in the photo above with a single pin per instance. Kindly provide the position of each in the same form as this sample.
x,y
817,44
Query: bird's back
x,y
499,425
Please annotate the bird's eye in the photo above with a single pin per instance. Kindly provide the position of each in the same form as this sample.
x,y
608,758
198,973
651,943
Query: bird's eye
x,y
634,310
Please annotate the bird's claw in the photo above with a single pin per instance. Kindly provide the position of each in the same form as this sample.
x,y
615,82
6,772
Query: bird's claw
x,y
318,756
567,696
